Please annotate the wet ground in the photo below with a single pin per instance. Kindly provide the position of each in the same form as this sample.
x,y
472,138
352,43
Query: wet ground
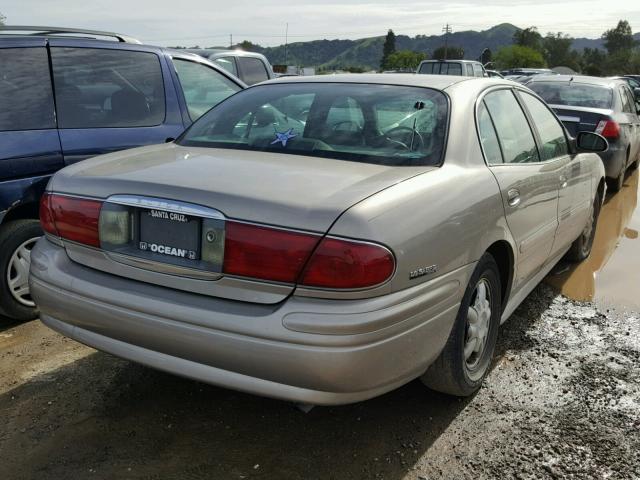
x,y
562,401
611,275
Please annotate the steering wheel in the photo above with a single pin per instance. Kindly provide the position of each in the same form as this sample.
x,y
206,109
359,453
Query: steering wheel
x,y
404,130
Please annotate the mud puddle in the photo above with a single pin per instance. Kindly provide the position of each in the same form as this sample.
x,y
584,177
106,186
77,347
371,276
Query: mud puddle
x,y
611,275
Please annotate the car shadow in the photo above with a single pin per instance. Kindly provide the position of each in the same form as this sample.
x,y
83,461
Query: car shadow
x,y
115,419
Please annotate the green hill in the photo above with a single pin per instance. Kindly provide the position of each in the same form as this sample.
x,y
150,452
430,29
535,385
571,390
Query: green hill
x,y
366,52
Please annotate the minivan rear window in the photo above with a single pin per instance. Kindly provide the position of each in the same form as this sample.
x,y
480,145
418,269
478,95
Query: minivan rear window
x,y
26,98
381,124
573,94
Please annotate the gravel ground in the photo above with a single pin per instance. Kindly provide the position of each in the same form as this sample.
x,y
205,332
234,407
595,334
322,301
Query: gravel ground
x,y
562,401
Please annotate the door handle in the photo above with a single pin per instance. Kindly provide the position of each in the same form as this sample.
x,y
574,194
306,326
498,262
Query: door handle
x,y
563,181
513,197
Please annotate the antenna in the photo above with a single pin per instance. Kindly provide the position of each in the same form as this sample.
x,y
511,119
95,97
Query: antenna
x,y
447,30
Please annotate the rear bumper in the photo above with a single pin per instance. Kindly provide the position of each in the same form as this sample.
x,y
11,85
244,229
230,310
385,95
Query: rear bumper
x,y
304,350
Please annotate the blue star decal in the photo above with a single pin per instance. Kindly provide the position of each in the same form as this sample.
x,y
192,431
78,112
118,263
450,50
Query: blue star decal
x,y
284,137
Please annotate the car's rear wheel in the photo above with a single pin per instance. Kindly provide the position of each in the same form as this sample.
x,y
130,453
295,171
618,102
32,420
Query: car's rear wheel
x,y
465,360
581,247
17,238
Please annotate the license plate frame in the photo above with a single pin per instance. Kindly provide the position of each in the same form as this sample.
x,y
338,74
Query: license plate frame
x,y
169,234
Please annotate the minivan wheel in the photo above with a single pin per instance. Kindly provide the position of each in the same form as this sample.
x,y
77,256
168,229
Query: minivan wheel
x,y
17,238
465,360
581,247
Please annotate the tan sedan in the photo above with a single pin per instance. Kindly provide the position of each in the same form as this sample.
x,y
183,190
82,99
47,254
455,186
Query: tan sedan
x,y
322,239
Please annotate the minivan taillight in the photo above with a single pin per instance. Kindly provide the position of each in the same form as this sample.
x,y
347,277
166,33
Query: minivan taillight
x,y
71,218
608,129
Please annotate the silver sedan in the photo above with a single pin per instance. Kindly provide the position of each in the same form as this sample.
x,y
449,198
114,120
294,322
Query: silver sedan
x,y
322,239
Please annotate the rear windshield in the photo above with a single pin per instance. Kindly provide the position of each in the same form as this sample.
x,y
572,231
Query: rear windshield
x,y
574,94
441,68
381,124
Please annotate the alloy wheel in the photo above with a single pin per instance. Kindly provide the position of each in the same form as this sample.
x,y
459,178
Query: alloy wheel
x,y
478,324
18,273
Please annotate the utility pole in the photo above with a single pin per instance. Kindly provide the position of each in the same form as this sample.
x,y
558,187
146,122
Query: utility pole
x,y
230,40
447,30
286,42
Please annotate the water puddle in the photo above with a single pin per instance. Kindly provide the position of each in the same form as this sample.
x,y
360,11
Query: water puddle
x,y
611,274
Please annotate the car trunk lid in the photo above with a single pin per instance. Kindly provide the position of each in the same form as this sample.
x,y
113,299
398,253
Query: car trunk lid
x,y
581,119
217,187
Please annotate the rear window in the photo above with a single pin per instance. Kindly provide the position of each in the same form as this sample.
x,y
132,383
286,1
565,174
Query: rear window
x,y
573,94
441,68
99,88
26,99
381,124
253,70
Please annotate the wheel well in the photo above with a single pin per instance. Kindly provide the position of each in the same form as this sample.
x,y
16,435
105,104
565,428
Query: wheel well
x,y
503,255
24,211
601,189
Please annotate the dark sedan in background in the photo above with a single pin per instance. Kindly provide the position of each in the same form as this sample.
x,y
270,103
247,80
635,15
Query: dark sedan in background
x,y
602,105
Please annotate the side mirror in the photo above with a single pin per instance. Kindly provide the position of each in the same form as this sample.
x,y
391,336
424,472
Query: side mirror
x,y
591,142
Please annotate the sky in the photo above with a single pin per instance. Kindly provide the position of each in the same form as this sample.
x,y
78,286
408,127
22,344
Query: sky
x,y
211,22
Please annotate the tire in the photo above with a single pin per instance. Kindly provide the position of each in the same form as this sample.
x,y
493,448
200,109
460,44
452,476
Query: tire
x,y
16,240
453,372
616,184
581,248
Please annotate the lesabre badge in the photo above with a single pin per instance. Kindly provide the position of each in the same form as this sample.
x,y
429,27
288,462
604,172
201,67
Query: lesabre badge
x,y
284,137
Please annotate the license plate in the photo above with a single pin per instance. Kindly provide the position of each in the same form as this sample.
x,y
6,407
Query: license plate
x,y
171,234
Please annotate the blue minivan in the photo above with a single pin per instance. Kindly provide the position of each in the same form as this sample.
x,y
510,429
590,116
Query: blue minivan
x,y
67,95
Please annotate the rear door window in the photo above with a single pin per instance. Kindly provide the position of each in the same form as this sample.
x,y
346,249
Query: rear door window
x,y
515,136
477,69
488,137
627,105
253,70
203,86
469,70
228,63
101,88
551,132
26,97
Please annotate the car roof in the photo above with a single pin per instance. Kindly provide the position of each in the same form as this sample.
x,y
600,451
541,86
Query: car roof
x,y
219,52
438,82
449,60
584,79
13,31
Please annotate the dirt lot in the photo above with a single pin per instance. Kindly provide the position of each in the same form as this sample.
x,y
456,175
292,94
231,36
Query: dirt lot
x,y
562,401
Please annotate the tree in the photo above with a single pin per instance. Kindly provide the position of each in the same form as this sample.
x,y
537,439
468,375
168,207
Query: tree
x,y
405,60
517,56
486,56
247,46
619,38
557,49
2,18
453,53
529,37
593,61
388,48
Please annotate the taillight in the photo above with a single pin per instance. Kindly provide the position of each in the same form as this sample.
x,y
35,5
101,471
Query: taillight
x,y
71,218
608,129
46,215
266,253
341,263
280,255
